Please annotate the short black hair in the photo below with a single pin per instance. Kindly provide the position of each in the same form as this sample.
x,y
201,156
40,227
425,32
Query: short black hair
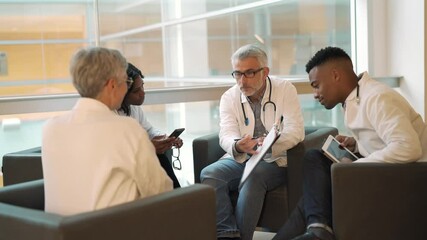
x,y
324,55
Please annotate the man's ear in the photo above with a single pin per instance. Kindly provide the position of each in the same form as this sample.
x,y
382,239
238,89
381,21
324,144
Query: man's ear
x,y
336,75
266,71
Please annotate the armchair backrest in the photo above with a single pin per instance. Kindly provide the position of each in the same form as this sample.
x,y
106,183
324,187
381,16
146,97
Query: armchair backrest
x,y
206,150
22,166
185,213
280,201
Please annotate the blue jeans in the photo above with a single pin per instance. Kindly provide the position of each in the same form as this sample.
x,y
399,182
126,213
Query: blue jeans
x,y
317,188
316,204
224,176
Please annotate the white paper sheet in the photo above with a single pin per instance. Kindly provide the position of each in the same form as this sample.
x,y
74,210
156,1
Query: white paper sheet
x,y
269,140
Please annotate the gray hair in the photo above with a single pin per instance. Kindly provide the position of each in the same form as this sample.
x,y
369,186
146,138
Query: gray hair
x,y
250,50
91,68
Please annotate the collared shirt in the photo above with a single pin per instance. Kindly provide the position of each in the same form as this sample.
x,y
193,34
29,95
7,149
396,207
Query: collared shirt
x,y
93,158
259,129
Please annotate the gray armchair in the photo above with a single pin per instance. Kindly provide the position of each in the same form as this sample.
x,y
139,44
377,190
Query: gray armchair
x,y
280,202
374,201
182,214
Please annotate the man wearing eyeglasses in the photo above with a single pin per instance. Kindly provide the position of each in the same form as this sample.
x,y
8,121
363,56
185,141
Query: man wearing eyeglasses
x,y
247,111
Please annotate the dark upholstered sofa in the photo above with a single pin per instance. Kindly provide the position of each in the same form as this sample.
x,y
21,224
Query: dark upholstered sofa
x,y
182,214
280,202
376,201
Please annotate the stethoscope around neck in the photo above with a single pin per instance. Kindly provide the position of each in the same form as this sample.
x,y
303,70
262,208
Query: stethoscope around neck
x,y
263,106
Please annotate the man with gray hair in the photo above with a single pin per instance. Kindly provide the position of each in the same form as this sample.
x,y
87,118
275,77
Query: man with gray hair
x,y
93,158
247,111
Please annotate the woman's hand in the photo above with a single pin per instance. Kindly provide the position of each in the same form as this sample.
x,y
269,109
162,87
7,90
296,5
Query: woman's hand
x,y
161,143
177,142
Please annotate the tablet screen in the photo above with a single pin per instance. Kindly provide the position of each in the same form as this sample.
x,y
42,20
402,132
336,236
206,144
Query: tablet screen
x,y
333,149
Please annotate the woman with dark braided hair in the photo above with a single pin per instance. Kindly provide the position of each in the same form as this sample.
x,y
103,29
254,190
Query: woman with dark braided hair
x,y
131,106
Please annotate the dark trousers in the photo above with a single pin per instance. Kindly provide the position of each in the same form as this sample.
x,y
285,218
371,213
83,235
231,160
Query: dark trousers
x,y
166,164
316,204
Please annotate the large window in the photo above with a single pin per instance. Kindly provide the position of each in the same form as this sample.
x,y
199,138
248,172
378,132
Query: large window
x,y
37,40
191,41
176,43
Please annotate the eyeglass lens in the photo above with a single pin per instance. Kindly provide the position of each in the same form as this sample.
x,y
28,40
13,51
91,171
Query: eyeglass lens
x,y
129,82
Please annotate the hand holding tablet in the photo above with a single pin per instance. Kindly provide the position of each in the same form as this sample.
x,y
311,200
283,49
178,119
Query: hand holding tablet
x,y
334,151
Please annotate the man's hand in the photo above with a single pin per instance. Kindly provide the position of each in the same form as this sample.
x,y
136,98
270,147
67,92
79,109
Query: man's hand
x,y
246,145
345,160
348,142
161,143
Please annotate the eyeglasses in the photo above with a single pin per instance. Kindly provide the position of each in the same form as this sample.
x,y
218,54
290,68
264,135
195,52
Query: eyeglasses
x,y
176,163
248,74
129,82
137,89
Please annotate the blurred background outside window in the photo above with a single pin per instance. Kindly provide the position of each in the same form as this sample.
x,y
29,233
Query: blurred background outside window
x,y
176,44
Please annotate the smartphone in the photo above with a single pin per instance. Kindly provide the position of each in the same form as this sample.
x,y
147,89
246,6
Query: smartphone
x,y
177,132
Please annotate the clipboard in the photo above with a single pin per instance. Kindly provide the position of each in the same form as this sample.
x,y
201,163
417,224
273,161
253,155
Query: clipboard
x,y
253,161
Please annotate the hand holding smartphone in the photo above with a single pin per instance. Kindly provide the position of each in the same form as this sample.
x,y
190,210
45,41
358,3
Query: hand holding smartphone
x,y
176,132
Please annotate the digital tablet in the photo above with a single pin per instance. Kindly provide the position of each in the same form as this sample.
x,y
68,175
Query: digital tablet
x,y
332,149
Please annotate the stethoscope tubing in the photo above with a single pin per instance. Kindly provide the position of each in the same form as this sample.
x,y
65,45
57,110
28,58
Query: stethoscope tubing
x,y
263,106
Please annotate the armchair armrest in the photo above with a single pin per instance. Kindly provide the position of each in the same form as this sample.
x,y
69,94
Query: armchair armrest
x,y
379,201
206,150
28,194
184,214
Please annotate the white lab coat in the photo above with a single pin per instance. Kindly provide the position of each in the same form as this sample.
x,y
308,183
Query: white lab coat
x,y
232,122
93,158
385,126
